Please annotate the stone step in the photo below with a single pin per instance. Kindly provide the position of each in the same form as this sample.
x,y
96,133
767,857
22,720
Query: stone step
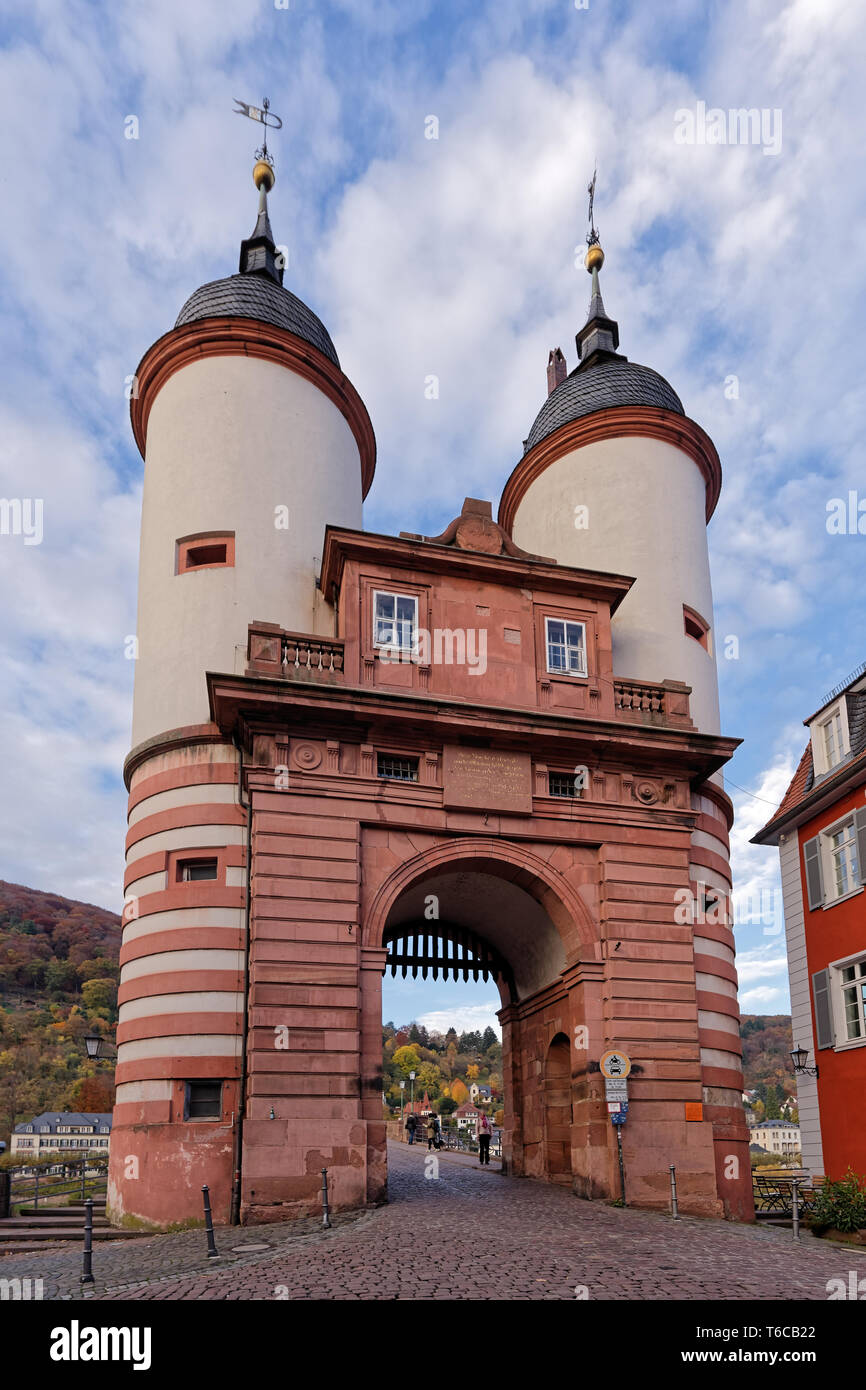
x,y
76,1210
14,1241
75,1223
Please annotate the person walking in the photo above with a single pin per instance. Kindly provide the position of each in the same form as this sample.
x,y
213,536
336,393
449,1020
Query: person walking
x,y
483,1133
432,1132
411,1125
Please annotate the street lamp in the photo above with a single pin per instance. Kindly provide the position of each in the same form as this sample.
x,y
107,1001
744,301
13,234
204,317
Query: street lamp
x,y
98,1049
412,1101
798,1057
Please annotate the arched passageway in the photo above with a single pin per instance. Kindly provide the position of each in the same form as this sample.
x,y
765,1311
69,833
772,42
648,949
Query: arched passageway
x,y
481,918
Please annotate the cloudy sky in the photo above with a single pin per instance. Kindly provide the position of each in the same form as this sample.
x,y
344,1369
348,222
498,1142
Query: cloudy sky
x,y
452,256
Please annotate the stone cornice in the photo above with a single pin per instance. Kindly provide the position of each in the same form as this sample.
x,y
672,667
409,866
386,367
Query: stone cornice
x,y
646,422
427,555
229,337
260,698
164,743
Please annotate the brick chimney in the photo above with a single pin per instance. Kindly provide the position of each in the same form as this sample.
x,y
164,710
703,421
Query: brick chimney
x,y
557,371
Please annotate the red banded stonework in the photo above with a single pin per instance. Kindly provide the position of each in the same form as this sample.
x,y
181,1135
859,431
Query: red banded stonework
x,y
182,979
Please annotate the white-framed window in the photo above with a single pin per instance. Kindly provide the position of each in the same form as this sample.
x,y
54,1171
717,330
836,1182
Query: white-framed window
x,y
853,982
842,847
395,620
835,860
566,647
831,731
830,740
839,998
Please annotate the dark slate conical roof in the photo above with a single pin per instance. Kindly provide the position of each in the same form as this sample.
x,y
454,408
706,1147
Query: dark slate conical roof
x,y
257,291
603,379
606,383
253,296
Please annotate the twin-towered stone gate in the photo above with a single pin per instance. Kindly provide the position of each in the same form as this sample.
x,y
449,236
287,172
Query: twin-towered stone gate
x,y
289,818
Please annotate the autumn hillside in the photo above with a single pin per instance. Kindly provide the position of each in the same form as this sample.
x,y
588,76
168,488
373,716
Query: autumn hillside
x,y
767,1043
58,981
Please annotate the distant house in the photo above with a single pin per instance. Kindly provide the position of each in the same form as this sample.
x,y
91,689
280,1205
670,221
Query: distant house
x,y
421,1107
776,1136
466,1115
481,1095
58,1132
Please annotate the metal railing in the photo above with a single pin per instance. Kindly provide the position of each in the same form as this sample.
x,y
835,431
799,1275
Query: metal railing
x,y
29,1185
455,1142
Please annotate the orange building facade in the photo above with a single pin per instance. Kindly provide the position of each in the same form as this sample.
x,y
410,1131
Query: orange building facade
x,y
820,828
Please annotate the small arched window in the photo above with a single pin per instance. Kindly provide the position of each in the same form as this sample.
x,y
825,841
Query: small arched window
x,y
696,626
208,550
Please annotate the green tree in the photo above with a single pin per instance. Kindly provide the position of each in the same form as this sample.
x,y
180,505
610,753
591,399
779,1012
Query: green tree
x,y
429,1079
62,977
99,996
407,1058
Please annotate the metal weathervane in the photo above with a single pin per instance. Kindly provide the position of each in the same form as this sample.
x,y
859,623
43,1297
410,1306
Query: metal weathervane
x,y
265,117
592,234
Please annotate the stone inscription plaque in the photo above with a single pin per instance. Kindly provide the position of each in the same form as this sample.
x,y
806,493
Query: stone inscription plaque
x,y
486,780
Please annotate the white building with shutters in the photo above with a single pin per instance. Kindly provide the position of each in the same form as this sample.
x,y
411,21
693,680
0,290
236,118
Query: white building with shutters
x,y
820,830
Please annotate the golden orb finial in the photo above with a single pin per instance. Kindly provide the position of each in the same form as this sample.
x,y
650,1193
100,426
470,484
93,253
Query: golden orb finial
x,y
594,258
263,173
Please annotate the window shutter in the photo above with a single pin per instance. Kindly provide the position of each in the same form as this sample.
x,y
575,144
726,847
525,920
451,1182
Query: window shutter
x,y
860,831
825,1036
814,872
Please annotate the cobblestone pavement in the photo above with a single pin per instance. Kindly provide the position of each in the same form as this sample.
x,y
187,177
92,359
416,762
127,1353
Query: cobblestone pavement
x,y
472,1234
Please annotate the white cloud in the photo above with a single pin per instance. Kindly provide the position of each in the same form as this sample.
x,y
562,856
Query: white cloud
x,y
764,1000
453,257
760,964
466,1018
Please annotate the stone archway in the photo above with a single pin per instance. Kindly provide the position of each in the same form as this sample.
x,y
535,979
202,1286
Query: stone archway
x,y
528,919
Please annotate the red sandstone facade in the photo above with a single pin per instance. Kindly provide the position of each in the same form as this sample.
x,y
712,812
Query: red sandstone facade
x,y
577,896
275,860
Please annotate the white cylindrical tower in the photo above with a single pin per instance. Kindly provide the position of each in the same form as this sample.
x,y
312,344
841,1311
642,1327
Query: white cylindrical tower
x,y
614,476
253,441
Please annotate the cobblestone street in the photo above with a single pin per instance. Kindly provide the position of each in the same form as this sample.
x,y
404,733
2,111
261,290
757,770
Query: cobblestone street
x,y
468,1234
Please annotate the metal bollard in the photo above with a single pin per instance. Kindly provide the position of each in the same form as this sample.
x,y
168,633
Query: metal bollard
x,y
212,1251
87,1262
674,1208
326,1219
795,1206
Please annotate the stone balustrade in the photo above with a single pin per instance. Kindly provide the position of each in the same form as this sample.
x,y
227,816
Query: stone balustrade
x,y
647,703
271,651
